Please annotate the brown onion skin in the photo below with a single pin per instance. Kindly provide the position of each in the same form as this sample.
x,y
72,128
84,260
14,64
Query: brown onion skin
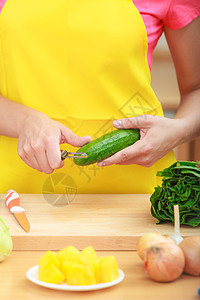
x,y
191,249
164,262
148,240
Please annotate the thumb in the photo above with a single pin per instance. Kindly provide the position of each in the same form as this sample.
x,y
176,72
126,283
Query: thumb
x,y
142,121
73,139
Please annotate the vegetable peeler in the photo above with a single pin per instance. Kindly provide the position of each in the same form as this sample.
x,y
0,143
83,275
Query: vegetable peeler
x,y
12,202
65,154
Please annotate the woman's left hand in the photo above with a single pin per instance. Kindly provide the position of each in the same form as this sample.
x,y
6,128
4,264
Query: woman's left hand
x,y
158,135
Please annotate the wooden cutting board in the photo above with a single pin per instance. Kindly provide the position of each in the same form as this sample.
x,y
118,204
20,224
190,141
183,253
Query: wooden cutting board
x,y
105,221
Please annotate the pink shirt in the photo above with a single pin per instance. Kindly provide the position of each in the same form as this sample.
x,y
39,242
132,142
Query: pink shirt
x,y
156,14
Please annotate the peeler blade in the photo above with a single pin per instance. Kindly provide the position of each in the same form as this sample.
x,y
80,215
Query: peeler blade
x,y
65,154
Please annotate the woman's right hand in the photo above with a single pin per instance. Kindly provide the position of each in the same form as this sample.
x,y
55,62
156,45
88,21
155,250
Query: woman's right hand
x,y
39,142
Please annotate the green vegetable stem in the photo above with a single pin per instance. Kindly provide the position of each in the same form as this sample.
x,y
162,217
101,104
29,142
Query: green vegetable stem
x,y
180,185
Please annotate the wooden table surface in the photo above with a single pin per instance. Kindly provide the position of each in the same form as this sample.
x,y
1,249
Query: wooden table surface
x,y
107,222
135,286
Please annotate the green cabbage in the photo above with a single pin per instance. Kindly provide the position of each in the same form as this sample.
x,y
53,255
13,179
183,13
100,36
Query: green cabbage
x,y
180,185
6,244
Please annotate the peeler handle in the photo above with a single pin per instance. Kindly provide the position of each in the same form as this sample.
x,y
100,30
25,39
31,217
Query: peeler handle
x,y
12,199
64,154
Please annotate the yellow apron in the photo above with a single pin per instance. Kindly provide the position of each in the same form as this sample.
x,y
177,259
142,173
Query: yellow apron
x,y
83,63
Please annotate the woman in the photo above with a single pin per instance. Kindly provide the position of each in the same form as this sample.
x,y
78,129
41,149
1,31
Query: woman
x,y
70,68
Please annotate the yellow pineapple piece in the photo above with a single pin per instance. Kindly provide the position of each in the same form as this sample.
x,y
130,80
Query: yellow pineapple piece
x,y
49,256
108,269
48,272
78,274
89,252
65,266
69,253
89,256
96,265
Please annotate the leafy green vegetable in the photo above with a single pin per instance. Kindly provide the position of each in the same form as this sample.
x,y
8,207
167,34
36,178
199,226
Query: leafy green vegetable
x,y
180,185
6,244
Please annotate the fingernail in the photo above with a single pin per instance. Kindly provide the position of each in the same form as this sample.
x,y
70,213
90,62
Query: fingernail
x,y
117,123
101,164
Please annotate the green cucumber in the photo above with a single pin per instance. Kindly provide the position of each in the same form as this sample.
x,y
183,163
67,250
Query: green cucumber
x,y
107,145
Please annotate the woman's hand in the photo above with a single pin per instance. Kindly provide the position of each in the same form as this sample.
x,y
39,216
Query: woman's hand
x,y
158,135
39,141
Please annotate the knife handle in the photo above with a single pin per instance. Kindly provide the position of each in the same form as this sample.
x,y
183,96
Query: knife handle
x,y
12,201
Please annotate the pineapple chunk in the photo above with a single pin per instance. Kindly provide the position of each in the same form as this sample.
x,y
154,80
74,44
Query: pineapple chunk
x,y
48,272
89,256
90,253
49,256
78,274
108,269
49,268
69,253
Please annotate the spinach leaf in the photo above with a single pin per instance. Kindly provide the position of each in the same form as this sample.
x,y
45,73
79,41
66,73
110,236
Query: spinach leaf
x,y
180,185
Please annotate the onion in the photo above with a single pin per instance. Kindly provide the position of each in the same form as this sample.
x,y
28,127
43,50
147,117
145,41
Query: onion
x,y
191,250
148,240
164,262
6,244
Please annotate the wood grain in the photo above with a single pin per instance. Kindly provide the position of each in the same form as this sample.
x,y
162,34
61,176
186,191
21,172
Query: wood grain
x,y
108,222
136,284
